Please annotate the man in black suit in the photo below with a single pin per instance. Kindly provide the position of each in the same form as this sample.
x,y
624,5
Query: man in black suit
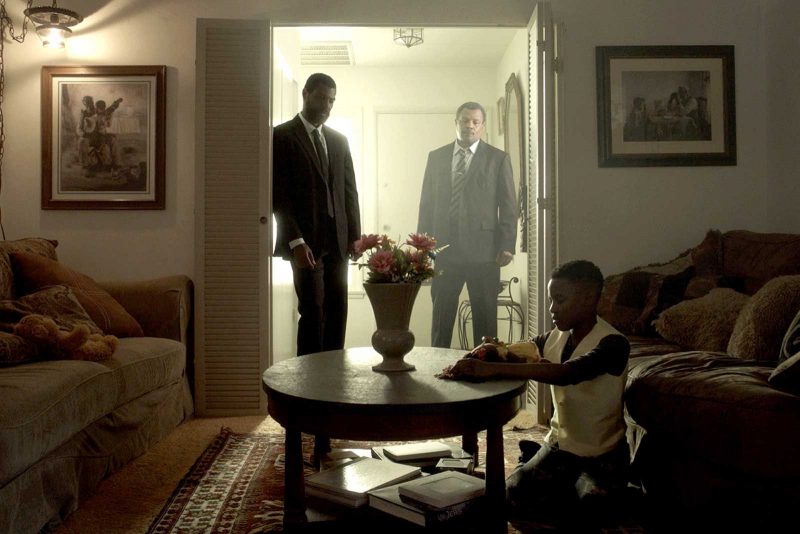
x,y
468,201
315,203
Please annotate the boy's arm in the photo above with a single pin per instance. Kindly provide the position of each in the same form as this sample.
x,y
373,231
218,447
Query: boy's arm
x,y
542,371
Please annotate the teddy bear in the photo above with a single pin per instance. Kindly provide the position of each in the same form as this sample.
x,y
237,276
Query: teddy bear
x,y
494,350
61,344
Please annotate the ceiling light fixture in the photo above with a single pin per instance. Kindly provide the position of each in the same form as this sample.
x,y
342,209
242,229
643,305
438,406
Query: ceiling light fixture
x,y
408,36
52,23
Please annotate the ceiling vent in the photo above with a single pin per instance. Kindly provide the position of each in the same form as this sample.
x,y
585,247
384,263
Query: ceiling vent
x,y
327,53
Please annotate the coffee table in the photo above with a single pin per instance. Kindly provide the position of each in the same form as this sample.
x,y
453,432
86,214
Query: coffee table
x,y
337,394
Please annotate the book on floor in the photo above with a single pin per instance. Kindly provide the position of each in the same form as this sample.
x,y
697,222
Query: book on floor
x,y
349,483
388,500
442,489
417,451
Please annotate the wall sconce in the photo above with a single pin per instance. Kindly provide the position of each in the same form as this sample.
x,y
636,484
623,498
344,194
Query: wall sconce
x,y
408,36
52,23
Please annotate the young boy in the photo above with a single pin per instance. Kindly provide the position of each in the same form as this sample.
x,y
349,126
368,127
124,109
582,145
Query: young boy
x,y
584,359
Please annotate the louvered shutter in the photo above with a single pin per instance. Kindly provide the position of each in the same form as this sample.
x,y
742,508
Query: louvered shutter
x,y
542,234
232,212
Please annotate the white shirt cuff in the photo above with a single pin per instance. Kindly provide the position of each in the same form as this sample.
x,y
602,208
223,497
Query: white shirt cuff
x,y
294,242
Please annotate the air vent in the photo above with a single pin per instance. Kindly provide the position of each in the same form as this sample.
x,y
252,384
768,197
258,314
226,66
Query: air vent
x,y
327,53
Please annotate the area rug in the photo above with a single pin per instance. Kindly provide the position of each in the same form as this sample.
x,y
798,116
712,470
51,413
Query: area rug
x,y
236,486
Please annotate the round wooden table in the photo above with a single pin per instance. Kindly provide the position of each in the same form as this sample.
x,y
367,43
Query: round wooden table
x,y
337,394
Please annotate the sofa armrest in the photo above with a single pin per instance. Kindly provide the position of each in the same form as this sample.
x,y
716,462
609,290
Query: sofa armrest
x,y
162,306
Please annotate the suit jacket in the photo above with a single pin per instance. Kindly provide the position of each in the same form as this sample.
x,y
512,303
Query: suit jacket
x,y
489,222
299,193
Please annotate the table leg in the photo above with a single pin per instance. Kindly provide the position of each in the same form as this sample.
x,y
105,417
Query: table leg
x,y
469,442
294,507
495,475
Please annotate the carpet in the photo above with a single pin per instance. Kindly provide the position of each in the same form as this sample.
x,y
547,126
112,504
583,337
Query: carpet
x,y
236,485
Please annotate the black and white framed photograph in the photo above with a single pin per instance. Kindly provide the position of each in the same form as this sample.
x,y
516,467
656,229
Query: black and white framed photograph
x,y
665,106
103,144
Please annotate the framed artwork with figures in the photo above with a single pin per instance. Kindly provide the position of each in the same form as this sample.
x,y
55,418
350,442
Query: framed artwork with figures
x,y
103,144
665,106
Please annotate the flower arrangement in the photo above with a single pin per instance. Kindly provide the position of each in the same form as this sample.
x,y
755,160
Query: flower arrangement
x,y
388,262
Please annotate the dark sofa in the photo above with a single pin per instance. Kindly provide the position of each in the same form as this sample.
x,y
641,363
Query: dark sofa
x,y
713,421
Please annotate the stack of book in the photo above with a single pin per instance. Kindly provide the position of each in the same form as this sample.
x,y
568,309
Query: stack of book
x,y
430,500
420,454
347,484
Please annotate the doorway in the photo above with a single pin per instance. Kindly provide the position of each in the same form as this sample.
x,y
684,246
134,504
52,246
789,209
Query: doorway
x,y
395,104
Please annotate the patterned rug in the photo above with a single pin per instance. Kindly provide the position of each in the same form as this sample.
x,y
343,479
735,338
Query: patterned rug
x,y
236,486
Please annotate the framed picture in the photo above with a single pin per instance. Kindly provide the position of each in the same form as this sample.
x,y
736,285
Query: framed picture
x,y
665,106
103,144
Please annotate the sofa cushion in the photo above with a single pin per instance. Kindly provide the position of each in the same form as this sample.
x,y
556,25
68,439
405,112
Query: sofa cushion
x,y
33,272
631,300
791,340
750,259
762,323
46,403
787,374
722,409
35,245
704,323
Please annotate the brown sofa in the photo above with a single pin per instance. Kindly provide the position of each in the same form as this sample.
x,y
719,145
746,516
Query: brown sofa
x,y
713,421
67,424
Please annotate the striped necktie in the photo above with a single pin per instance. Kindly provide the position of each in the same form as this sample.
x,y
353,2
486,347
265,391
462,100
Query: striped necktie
x,y
457,190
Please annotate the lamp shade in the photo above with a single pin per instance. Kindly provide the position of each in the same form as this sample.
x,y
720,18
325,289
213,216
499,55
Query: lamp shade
x,y
52,23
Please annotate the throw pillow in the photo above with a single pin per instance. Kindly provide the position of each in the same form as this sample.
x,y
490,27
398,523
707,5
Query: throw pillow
x,y
631,301
33,272
704,323
764,320
791,341
56,302
15,350
787,374
35,245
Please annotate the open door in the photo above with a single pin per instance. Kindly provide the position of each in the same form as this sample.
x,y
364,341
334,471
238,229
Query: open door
x,y
542,235
232,216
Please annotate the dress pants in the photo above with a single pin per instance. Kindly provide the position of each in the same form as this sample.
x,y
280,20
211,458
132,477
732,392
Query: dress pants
x,y
483,284
322,303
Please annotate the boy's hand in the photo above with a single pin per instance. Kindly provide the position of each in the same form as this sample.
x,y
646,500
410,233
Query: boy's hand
x,y
470,369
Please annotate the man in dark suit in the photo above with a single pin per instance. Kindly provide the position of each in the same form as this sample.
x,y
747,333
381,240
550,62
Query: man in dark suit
x,y
315,203
468,201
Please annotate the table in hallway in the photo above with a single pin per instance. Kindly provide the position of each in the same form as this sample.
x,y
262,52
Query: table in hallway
x,y
337,394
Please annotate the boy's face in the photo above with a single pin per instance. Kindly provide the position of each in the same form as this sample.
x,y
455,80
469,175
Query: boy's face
x,y
570,302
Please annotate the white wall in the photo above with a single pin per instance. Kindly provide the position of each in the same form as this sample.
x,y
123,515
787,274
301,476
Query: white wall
x,y
780,28
623,217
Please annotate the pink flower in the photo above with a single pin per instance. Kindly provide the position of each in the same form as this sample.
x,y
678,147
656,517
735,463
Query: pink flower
x,y
366,242
382,262
422,242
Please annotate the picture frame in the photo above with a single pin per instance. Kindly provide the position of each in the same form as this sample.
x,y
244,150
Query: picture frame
x,y
103,137
665,106
501,119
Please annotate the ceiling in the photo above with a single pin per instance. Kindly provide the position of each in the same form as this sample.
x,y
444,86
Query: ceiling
x,y
374,46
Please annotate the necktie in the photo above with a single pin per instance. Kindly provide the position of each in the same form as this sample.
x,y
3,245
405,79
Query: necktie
x,y
457,190
323,164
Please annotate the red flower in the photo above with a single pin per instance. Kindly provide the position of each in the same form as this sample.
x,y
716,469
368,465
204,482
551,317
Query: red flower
x,y
422,242
366,242
382,262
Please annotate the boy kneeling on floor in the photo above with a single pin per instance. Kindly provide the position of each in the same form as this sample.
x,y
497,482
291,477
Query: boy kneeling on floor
x,y
584,359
